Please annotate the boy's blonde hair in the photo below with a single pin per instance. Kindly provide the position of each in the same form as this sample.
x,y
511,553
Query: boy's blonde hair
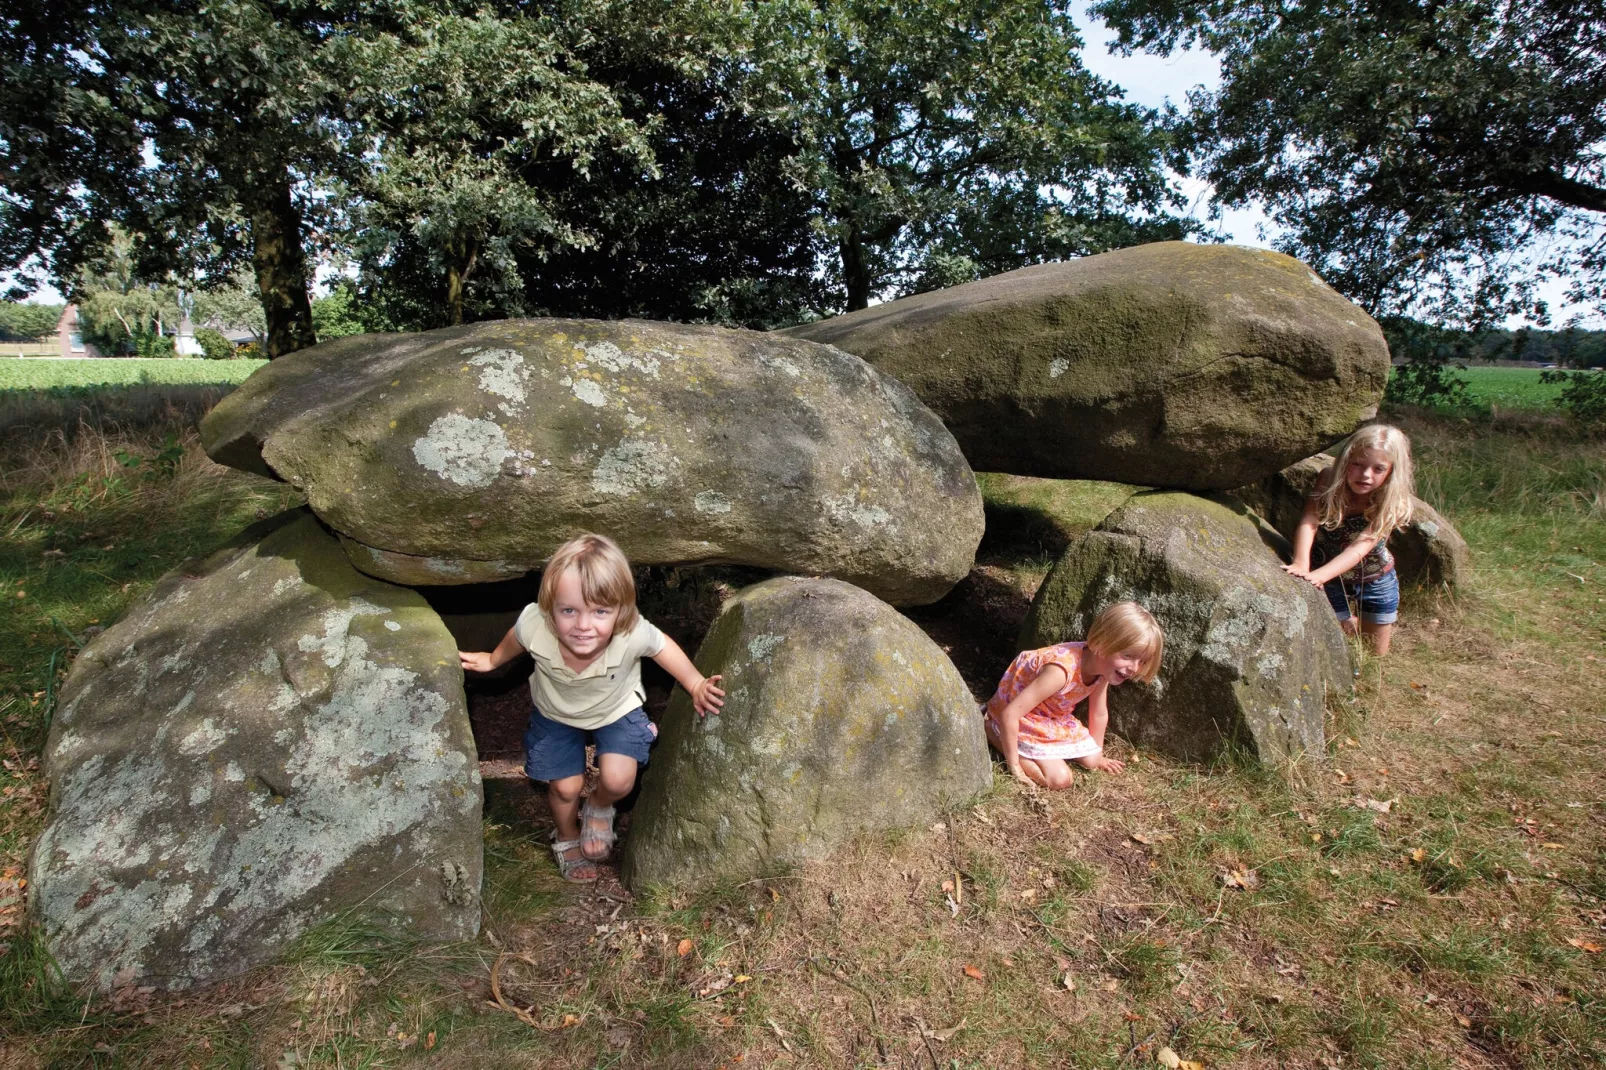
x,y
605,577
1128,628
1390,508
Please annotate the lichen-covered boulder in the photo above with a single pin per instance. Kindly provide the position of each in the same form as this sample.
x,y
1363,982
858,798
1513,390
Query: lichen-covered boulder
x,y
840,717
1251,653
469,454
1054,510
1428,552
267,740
1202,367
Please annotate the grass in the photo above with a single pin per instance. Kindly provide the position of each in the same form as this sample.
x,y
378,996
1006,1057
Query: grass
x,y
1510,388
122,371
1451,930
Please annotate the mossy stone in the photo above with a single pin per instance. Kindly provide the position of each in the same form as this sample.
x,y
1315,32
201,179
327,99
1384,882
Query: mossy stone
x,y
840,717
266,741
1200,367
468,454
1251,654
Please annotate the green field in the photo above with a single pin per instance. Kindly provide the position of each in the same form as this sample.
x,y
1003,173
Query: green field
x,y
35,374
1510,388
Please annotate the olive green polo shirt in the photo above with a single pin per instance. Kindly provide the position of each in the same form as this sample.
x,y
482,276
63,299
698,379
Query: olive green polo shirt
x,y
603,691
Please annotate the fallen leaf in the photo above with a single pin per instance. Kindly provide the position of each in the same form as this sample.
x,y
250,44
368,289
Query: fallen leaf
x,y
1068,981
948,886
570,1021
1109,984
1415,686
775,897
1138,837
973,973
1419,855
742,978
1246,879
1381,806
1463,1021
1554,846
429,1041
1167,1058
1585,945
683,948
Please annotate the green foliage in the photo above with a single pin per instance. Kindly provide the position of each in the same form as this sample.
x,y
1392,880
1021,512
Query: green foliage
x,y
1418,152
337,314
24,322
1432,356
1583,395
214,345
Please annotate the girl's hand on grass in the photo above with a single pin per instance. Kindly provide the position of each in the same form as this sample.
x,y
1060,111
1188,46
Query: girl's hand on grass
x,y
479,661
706,698
1105,764
1020,775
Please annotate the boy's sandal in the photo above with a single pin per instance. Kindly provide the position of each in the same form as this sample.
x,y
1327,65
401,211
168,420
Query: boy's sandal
x,y
596,842
581,870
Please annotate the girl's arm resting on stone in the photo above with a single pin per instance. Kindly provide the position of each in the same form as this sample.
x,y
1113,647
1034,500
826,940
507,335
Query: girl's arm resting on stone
x,y
1049,681
1352,556
1304,539
484,661
1098,721
706,697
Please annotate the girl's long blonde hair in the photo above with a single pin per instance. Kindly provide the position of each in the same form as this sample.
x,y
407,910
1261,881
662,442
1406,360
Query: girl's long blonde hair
x,y
1390,507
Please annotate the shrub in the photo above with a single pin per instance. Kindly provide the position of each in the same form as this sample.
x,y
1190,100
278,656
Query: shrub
x,y
214,346
1583,395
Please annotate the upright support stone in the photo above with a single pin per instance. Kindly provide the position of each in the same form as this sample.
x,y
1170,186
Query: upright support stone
x,y
1251,654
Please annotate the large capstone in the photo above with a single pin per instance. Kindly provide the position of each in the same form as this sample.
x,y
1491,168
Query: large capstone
x,y
840,717
1202,367
1428,551
268,740
1251,653
469,454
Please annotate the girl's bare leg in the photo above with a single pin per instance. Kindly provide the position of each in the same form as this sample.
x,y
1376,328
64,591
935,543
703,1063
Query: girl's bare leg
x,y
1379,635
1051,773
563,796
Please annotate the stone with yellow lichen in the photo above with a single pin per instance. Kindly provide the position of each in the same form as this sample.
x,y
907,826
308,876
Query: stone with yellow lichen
x,y
470,453
840,717
1202,367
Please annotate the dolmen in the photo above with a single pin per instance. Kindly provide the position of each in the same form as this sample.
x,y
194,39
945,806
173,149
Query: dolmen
x,y
277,735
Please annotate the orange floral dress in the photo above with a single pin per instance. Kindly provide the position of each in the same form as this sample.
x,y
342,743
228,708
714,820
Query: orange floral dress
x,y
1051,729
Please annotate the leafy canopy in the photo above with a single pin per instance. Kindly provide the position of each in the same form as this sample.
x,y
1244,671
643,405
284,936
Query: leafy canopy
x,y
1423,155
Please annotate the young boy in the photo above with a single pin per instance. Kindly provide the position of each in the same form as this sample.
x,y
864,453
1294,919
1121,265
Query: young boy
x,y
587,641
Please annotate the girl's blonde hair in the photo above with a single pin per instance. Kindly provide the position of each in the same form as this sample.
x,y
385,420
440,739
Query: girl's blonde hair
x,y
1390,507
1128,628
605,578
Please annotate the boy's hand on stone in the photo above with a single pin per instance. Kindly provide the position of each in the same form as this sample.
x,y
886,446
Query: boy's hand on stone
x,y
478,661
706,697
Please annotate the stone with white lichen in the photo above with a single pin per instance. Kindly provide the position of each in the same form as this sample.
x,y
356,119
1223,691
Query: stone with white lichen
x,y
1167,365
1252,655
841,717
268,740
468,454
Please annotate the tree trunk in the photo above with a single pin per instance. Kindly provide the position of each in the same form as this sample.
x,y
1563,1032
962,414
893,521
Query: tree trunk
x,y
855,270
457,278
281,267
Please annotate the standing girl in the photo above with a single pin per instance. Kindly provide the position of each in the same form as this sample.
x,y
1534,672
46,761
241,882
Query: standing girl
x,y
1030,719
1341,544
587,641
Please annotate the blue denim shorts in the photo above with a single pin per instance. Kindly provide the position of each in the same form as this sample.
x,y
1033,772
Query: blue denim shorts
x,y
1379,598
553,751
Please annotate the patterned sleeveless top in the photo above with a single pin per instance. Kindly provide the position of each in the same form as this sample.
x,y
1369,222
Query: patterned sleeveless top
x,y
1051,729
1333,541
